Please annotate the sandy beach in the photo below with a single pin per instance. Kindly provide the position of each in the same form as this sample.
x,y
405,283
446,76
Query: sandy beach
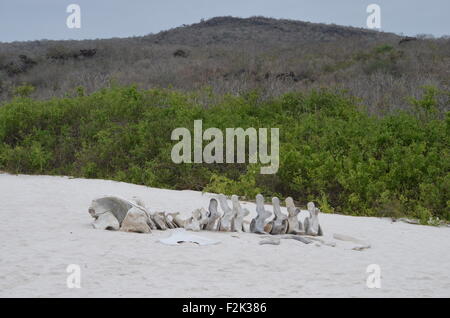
x,y
45,227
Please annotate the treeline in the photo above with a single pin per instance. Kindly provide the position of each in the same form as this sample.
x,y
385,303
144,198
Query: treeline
x,y
332,151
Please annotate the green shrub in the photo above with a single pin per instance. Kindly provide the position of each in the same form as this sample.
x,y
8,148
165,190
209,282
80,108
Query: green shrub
x,y
331,151
245,186
24,90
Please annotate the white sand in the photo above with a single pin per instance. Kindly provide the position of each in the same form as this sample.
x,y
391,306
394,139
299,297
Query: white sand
x,y
45,227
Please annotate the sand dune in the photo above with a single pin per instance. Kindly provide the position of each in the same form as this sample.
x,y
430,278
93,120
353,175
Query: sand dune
x,y
45,227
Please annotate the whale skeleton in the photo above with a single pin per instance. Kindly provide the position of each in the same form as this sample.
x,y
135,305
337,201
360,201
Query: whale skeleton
x,y
115,213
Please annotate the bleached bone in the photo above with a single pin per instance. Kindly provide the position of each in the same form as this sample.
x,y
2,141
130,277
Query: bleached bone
x,y
280,222
196,221
138,201
362,245
118,208
239,214
213,216
228,215
151,224
169,221
295,226
246,213
257,225
312,226
106,221
181,236
135,221
294,237
160,220
192,224
297,238
179,222
270,241
203,218
319,228
246,225
323,242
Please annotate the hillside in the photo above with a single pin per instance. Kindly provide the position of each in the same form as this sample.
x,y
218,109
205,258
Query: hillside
x,y
262,31
234,55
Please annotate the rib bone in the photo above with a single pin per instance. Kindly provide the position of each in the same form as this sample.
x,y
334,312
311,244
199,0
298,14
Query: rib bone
x,y
179,222
312,226
257,225
159,219
239,213
228,215
294,224
279,223
197,220
213,216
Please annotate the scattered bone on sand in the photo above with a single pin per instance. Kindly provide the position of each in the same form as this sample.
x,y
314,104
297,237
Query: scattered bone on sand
x,y
270,241
362,245
180,236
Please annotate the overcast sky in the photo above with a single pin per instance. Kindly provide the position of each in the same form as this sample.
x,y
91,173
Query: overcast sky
x,y
22,20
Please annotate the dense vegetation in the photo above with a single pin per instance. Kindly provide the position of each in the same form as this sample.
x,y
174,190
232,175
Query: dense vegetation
x,y
384,151
234,56
332,150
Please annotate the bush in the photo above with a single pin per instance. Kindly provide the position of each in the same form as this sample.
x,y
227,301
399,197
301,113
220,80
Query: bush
x,y
24,90
331,150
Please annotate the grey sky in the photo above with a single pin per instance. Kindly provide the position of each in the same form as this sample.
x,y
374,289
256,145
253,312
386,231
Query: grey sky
x,y
22,20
